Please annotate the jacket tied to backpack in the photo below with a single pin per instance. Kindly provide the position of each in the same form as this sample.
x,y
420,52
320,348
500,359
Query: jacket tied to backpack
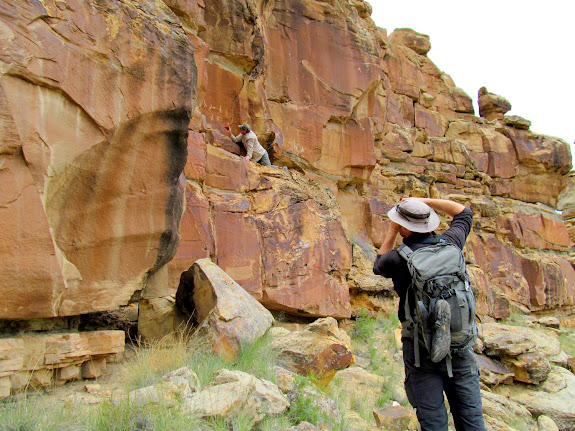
x,y
444,311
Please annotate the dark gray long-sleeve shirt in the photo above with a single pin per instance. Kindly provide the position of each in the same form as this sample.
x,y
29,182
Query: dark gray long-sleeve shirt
x,y
392,265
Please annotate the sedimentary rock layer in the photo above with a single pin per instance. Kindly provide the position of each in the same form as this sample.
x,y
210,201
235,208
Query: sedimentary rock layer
x,y
367,119
96,98
102,100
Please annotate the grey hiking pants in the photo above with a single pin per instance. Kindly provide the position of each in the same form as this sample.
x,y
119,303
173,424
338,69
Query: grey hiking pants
x,y
264,160
426,384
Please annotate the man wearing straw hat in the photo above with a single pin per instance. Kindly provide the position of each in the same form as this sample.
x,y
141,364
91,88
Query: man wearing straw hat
x,y
415,219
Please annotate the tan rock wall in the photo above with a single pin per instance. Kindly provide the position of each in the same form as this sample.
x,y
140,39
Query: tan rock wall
x,y
370,119
96,100
99,103
567,206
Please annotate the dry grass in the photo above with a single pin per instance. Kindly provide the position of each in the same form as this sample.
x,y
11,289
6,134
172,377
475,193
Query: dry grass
x,y
35,411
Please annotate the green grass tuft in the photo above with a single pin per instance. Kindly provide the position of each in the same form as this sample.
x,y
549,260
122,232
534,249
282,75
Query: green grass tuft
x,y
258,359
567,340
515,319
302,408
364,327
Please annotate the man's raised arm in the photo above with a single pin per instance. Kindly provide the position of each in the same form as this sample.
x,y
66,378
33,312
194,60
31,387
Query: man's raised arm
x,y
389,241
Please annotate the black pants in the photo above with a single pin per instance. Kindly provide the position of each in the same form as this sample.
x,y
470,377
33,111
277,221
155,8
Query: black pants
x,y
426,384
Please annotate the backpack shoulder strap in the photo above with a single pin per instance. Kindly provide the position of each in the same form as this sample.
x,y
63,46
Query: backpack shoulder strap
x,y
404,251
434,239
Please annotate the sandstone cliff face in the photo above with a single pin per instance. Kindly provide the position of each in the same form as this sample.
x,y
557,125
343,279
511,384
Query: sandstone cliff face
x,y
567,205
368,119
97,102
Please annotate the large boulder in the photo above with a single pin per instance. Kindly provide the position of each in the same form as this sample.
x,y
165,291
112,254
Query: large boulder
x,y
321,349
525,352
233,392
228,316
492,106
554,401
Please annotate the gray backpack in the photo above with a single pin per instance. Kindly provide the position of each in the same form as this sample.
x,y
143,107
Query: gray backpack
x,y
438,273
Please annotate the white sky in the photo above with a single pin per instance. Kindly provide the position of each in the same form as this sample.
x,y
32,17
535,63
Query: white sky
x,y
521,50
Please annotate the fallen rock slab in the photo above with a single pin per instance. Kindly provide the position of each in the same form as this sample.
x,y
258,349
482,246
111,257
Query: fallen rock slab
x,y
229,316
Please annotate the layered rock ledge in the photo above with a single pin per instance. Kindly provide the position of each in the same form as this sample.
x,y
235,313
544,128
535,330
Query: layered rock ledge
x,y
119,175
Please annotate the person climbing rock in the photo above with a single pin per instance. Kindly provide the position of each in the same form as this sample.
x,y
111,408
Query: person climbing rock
x,y
255,152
